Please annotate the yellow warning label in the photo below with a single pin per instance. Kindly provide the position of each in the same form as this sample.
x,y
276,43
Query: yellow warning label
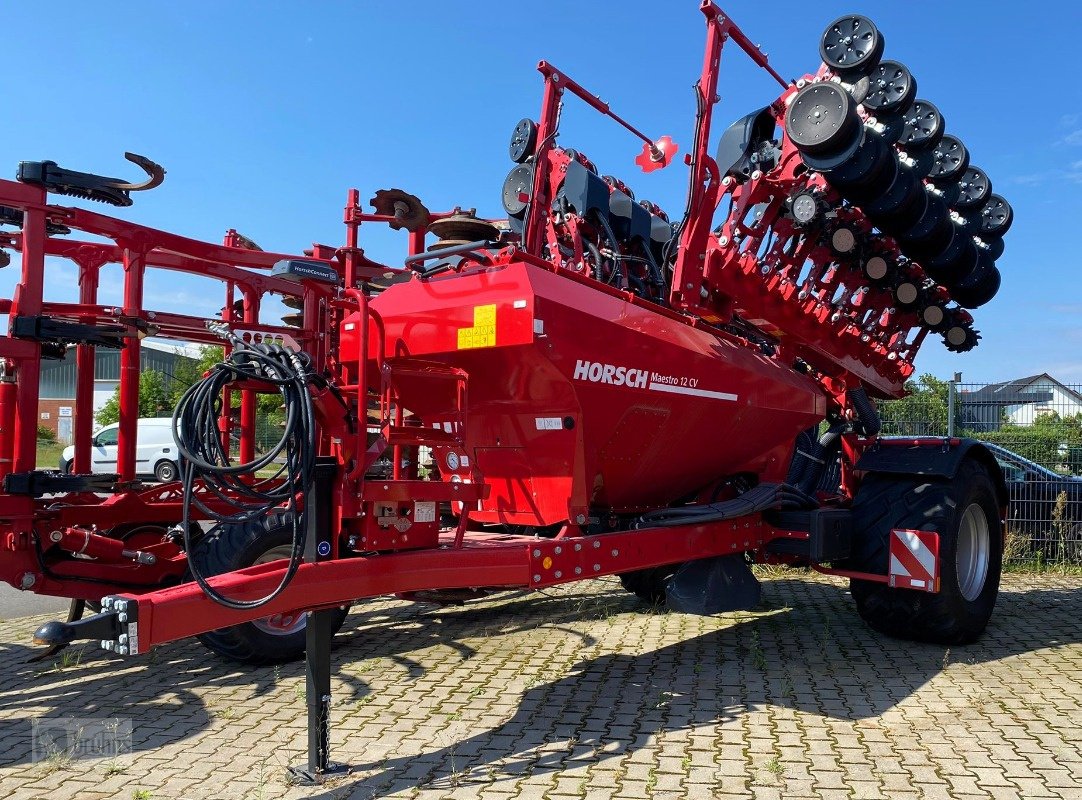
x,y
483,332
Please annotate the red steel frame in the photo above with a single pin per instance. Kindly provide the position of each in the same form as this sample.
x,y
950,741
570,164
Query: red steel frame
x,y
461,558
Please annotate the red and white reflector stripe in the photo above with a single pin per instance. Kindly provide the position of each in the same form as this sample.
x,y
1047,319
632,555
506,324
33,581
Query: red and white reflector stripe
x,y
914,560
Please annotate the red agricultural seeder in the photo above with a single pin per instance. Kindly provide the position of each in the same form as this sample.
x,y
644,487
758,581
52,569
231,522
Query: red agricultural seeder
x,y
583,389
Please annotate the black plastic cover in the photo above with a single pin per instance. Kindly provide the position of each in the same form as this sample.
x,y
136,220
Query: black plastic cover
x,y
830,533
585,191
301,269
713,585
630,221
741,140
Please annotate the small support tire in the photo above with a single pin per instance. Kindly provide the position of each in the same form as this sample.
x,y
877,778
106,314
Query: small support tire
x,y
236,546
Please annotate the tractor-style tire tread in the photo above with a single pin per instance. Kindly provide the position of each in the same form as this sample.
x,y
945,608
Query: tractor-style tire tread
x,y
236,546
887,502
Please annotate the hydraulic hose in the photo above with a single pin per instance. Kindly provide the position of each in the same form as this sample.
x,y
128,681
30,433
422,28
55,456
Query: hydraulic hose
x,y
206,462
763,497
866,412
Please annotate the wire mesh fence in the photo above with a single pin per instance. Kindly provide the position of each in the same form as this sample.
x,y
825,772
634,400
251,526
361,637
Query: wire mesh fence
x,y
1034,428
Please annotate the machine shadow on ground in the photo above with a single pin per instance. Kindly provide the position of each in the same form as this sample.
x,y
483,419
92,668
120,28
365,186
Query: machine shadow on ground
x,y
804,649
166,692
809,652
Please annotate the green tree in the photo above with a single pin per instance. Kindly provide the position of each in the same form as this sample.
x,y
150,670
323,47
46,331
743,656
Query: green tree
x,y
190,371
154,400
922,412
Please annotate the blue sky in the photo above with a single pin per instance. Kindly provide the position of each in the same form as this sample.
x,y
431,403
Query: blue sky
x,y
264,114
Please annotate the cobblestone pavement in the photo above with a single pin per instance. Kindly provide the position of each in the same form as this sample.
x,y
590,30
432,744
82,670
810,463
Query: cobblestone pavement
x,y
581,692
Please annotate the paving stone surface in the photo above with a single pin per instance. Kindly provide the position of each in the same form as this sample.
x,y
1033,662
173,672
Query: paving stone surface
x,y
582,692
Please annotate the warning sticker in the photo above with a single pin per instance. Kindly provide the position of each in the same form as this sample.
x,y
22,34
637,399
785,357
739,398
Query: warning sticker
x,y
424,512
914,560
483,332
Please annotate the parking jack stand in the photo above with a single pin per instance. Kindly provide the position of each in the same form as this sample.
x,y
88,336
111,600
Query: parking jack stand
x,y
319,631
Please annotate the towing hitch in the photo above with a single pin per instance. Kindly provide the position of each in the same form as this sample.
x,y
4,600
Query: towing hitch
x,y
107,627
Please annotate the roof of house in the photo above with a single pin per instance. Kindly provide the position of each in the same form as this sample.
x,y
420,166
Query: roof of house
x,y
1016,392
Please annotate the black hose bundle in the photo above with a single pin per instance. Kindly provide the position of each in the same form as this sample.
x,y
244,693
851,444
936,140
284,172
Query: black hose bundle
x,y
814,458
763,497
204,458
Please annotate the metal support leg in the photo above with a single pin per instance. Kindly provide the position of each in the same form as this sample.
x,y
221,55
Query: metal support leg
x,y
318,634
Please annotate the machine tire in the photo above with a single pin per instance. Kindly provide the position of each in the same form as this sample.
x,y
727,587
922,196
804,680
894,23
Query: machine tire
x,y
166,471
649,584
241,545
948,617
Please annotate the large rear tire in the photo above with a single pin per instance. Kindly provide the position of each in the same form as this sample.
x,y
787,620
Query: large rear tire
x,y
271,640
965,513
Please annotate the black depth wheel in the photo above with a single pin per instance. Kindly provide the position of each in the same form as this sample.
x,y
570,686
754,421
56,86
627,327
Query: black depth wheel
x,y
950,160
270,640
931,233
996,217
851,44
980,286
975,187
822,119
902,205
870,171
995,247
957,260
924,126
518,183
523,140
965,512
893,88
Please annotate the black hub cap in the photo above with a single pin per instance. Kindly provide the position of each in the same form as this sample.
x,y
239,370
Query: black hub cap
x,y
975,188
933,317
523,140
851,44
950,160
923,126
996,217
518,183
892,88
821,119
960,338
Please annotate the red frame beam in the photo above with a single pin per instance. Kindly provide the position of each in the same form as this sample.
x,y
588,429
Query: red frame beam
x,y
483,560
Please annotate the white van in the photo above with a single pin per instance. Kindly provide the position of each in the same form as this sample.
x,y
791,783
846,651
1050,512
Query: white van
x,y
155,450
